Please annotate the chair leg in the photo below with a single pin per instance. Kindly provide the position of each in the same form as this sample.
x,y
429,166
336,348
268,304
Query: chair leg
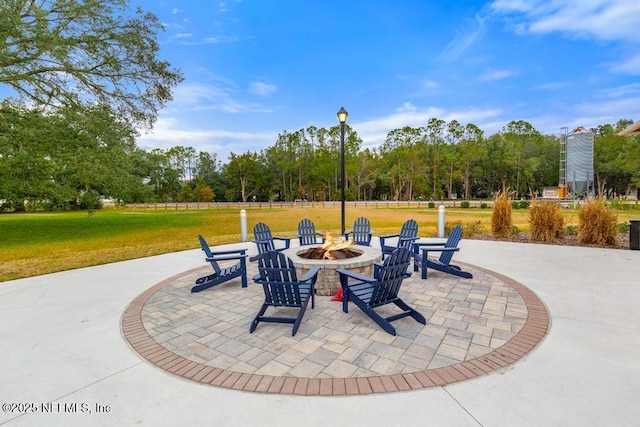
x,y
412,312
375,316
299,317
244,280
256,319
345,299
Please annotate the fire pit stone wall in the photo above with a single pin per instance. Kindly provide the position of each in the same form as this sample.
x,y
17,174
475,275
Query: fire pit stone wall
x,y
328,281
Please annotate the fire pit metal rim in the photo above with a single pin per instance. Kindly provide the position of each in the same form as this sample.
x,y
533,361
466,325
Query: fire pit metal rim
x,y
368,255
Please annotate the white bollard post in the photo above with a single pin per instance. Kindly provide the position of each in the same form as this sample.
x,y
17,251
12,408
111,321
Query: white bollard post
x,y
243,225
441,221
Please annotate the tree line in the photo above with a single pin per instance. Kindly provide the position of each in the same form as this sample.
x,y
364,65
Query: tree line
x,y
71,159
88,74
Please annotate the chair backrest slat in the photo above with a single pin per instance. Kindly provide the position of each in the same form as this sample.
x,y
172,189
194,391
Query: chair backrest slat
x,y
307,232
279,280
390,276
409,229
262,232
209,254
452,242
362,231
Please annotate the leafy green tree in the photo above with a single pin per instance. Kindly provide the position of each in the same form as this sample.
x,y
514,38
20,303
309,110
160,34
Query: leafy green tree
x,y
435,153
59,158
524,141
470,152
209,169
92,52
616,160
243,173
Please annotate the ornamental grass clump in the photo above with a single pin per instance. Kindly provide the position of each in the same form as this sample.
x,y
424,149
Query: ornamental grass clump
x,y
501,221
598,225
546,221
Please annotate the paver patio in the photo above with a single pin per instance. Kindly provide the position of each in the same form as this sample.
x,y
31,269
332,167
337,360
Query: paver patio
x,y
474,327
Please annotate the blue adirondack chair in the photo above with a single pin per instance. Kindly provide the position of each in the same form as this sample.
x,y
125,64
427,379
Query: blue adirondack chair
x,y
281,286
307,233
221,275
265,241
361,232
368,293
443,263
408,234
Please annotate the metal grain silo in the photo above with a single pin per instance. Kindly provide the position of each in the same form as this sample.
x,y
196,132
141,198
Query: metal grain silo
x,y
579,171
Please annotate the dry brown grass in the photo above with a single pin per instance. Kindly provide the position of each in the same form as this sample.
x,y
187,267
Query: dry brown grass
x,y
598,225
501,219
546,222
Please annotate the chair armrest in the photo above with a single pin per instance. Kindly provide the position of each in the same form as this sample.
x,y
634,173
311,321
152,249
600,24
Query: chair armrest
x,y
236,251
429,244
310,274
426,250
225,257
387,236
357,276
286,240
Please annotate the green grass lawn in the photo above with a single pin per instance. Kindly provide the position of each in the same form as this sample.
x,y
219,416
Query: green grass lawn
x,y
40,243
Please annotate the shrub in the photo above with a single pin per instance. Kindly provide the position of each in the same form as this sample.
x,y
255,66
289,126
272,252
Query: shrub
x,y
547,223
515,205
469,229
598,225
524,204
624,227
571,230
483,205
501,221
465,204
432,205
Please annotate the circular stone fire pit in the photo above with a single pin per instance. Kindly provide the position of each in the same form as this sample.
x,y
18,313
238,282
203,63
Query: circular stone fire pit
x,y
328,281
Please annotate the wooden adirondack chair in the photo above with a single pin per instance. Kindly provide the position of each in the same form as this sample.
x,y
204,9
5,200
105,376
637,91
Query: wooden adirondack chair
x,y
221,275
282,288
307,233
264,240
408,234
443,263
361,232
368,293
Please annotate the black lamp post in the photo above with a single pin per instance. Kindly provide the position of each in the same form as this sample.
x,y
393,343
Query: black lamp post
x,y
342,118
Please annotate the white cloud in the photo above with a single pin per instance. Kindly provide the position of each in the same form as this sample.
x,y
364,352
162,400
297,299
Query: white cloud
x,y
629,65
595,19
170,132
374,132
464,38
552,85
218,96
620,91
210,40
175,11
496,75
262,89
430,84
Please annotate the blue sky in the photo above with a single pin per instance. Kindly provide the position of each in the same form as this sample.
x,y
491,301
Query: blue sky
x,y
254,68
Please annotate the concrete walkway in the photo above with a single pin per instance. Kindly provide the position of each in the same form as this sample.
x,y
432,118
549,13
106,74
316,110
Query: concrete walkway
x,y
62,351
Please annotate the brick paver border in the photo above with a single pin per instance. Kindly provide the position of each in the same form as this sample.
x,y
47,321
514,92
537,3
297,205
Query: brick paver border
x,y
527,339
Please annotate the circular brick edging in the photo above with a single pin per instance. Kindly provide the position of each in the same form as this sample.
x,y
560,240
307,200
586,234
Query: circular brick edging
x,y
533,331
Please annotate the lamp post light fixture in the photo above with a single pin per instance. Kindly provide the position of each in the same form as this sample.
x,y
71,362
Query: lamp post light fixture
x,y
342,118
